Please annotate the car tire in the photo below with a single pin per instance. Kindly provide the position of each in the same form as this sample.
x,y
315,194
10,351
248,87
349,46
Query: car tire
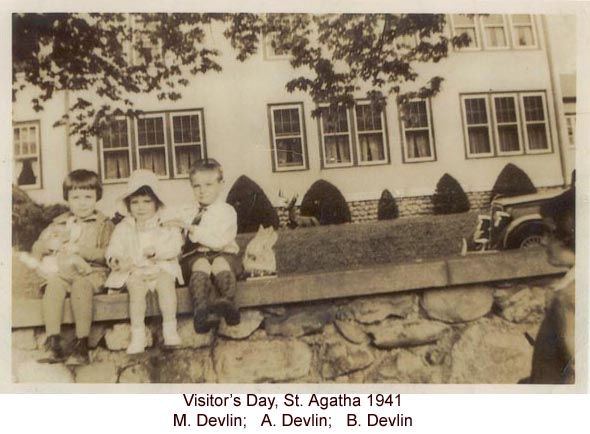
x,y
526,236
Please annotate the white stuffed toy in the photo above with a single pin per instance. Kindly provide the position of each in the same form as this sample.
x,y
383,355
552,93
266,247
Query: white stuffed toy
x,y
259,258
63,258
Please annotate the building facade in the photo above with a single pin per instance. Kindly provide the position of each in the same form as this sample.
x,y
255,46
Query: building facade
x,y
501,102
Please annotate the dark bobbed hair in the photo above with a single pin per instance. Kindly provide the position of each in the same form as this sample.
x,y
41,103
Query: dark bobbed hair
x,y
207,165
560,209
143,191
84,180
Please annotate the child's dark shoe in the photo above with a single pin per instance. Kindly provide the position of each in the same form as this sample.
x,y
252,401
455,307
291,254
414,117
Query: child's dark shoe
x,y
204,320
54,348
80,354
228,310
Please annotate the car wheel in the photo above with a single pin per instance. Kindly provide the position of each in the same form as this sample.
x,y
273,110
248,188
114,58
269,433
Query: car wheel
x,y
526,237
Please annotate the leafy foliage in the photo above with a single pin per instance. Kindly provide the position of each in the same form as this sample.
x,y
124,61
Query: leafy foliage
x,y
117,55
387,208
512,181
449,197
326,203
252,206
29,218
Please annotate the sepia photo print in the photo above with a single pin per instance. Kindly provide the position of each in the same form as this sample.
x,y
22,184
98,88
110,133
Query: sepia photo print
x,y
353,198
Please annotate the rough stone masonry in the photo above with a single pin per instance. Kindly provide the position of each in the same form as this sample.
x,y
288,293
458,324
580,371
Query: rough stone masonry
x,y
471,334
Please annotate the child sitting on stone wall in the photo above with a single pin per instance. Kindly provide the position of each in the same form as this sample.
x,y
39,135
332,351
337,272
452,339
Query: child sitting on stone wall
x,y
76,241
143,255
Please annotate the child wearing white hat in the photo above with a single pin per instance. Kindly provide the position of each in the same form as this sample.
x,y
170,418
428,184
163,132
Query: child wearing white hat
x,y
143,255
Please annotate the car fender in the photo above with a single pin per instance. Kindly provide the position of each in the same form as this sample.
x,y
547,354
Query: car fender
x,y
515,224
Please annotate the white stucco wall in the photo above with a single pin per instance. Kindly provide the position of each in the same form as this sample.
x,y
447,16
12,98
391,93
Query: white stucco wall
x,y
235,104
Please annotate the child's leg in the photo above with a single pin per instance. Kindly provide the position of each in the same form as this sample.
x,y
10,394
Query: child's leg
x,y
53,304
200,289
137,305
81,296
166,291
225,283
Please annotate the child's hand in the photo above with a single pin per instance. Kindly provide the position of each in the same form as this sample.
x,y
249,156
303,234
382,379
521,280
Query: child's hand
x,y
81,265
175,223
119,263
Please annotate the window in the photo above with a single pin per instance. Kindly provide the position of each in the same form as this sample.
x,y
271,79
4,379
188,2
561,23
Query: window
x,y
187,141
491,31
116,150
165,143
370,133
336,137
144,49
523,31
507,127
151,144
518,120
494,31
535,123
570,121
418,140
466,24
477,126
288,137
27,154
354,136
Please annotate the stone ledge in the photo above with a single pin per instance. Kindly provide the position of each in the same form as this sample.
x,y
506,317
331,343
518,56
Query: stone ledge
x,y
392,278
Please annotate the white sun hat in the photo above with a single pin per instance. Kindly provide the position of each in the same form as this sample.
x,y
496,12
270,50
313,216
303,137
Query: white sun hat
x,y
137,179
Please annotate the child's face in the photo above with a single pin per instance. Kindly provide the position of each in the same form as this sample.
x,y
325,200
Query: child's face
x,y
82,202
206,186
142,208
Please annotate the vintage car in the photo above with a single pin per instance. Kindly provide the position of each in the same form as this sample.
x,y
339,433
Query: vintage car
x,y
513,223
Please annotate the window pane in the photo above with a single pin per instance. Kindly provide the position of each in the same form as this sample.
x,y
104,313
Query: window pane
x,y
371,146
418,144
337,149
533,108
521,19
334,120
186,156
368,118
26,171
289,152
415,115
508,137
472,36
116,164
493,19
537,136
114,135
505,109
463,20
33,140
154,160
150,131
287,122
524,36
186,129
496,36
479,140
476,111
16,141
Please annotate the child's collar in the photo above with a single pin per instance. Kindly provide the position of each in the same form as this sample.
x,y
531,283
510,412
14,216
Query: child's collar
x,y
63,218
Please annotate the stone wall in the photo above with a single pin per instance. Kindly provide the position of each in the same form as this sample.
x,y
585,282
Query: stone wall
x,y
366,210
475,334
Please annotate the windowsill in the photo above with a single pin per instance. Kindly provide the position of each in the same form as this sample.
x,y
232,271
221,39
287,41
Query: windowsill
x,y
290,169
